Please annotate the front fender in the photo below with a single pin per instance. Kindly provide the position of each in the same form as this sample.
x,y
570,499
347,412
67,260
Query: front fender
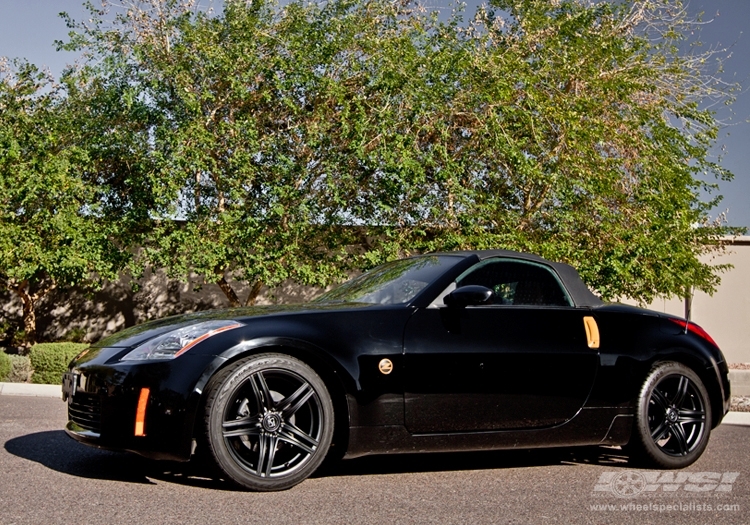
x,y
340,382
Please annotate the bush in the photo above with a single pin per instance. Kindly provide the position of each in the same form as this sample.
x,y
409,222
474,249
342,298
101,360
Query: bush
x,y
20,369
4,366
50,361
76,335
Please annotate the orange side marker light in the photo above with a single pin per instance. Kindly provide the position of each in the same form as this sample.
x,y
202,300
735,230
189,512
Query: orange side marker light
x,y
140,413
592,331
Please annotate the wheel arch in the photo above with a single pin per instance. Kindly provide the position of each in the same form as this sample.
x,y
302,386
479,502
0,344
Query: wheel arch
x,y
705,368
333,374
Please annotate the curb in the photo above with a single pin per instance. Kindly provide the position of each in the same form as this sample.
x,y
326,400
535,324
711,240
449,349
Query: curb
x,y
740,382
737,418
29,389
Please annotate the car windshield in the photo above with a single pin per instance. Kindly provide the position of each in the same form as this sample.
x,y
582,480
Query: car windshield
x,y
396,282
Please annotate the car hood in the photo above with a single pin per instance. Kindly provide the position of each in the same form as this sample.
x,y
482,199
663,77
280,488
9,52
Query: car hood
x,y
135,335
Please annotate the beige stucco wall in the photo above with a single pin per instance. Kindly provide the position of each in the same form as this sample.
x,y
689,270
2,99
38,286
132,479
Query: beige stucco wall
x,y
726,314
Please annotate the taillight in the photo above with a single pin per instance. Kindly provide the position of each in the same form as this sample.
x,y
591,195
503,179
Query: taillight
x,y
695,329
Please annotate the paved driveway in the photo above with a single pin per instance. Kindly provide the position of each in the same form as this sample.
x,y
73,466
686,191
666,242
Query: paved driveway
x,y
47,478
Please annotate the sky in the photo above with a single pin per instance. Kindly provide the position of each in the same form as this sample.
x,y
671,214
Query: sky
x,y
28,30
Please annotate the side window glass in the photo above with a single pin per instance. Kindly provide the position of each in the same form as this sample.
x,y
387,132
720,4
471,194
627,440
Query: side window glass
x,y
517,283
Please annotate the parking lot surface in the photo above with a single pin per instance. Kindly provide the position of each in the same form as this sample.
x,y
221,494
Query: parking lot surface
x,y
45,477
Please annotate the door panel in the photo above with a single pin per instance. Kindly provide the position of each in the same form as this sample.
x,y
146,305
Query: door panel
x,y
496,367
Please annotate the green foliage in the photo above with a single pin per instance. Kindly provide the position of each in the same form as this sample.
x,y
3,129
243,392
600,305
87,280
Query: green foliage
x,y
19,341
76,335
5,366
50,361
298,141
598,138
7,330
51,232
20,369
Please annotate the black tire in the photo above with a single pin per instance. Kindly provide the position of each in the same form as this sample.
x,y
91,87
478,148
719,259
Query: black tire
x,y
673,418
268,422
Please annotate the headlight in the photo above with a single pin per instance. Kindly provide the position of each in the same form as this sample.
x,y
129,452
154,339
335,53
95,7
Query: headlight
x,y
177,342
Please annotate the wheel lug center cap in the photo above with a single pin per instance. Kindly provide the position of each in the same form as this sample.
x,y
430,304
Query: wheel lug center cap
x,y
672,415
271,422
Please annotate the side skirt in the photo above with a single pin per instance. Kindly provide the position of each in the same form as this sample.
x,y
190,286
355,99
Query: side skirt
x,y
591,426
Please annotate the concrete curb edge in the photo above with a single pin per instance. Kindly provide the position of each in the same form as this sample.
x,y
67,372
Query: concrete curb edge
x,y
30,389
740,381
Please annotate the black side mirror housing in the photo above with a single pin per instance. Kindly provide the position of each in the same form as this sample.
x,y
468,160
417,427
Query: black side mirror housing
x,y
471,295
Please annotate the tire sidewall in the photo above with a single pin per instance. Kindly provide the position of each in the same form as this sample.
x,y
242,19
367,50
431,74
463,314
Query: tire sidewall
x,y
222,393
651,451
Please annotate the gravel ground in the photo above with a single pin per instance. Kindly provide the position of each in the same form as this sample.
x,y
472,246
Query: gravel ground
x,y
740,404
739,366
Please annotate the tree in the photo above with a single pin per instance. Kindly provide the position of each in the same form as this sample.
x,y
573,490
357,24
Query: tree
x,y
50,232
276,142
572,129
598,135
230,177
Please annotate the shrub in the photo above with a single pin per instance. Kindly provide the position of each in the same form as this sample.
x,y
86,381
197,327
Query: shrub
x,y
20,369
76,335
50,361
4,366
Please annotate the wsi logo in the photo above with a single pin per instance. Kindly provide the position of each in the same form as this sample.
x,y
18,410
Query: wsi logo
x,y
630,483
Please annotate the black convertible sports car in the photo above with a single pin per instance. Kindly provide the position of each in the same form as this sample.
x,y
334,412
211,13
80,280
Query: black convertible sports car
x,y
442,352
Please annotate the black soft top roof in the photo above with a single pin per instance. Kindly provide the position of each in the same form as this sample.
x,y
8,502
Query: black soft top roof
x,y
579,292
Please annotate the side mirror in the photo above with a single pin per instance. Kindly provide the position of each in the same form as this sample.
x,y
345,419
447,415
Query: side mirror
x,y
471,295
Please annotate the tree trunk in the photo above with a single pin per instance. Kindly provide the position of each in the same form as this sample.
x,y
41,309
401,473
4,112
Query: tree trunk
x,y
29,315
29,309
234,301
254,292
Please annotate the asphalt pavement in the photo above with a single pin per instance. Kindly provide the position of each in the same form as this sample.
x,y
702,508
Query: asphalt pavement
x,y
45,477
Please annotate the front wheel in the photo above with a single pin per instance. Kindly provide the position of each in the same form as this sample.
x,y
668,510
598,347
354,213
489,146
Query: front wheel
x,y
673,417
268,422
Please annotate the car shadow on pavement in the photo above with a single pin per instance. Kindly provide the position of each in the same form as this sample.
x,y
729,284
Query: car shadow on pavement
x,y
58,452
485,460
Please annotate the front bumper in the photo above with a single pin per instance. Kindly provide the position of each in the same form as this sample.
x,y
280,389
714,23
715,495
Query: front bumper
x,y
104,403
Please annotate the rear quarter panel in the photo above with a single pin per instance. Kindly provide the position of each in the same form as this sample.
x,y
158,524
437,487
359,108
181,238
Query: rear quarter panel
x,y
633,340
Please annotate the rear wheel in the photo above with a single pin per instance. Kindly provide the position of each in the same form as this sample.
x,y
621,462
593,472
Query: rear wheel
x,y
268,422
673,418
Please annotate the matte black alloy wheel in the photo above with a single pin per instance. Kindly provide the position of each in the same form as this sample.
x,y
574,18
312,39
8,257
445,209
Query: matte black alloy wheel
x,y
269,422
674,417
